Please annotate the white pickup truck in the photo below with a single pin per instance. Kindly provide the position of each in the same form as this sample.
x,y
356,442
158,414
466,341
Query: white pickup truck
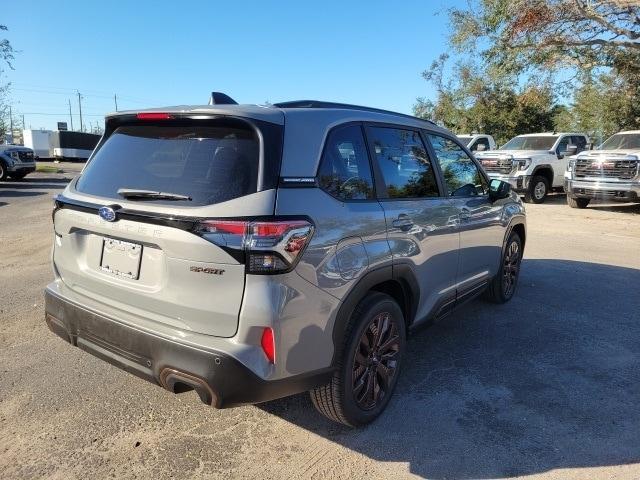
x,y
534,164
612,171
478,142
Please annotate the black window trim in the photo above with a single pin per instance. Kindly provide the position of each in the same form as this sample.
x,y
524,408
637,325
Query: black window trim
x,y
374,185
454,139
383,196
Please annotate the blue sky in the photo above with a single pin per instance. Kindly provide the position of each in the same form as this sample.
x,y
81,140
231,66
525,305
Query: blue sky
x,y
167,53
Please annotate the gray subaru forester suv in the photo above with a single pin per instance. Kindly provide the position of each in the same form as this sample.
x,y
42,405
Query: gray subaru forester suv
x,y
253,252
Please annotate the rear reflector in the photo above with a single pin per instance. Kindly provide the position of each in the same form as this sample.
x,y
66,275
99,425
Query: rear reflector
x,y
268,344
153,116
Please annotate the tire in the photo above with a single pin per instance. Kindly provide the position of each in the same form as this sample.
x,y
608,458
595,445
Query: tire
x,y
503,286
350,397
3,172
578,202
538,190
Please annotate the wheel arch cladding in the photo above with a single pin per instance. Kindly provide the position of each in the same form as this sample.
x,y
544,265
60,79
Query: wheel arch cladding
x,y
520,230
398,282
545,171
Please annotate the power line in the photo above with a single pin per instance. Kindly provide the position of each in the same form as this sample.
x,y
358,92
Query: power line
x,y
63,114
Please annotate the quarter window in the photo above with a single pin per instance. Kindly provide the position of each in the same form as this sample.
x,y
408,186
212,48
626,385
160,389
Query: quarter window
x,y
461,175
345,171
404,163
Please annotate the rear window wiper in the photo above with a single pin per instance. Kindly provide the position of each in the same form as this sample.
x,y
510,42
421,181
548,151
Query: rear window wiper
x,y
132,193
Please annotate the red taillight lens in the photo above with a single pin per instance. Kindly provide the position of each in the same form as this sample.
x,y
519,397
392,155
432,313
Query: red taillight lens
x,y
153,116
268,344
267,246
234,227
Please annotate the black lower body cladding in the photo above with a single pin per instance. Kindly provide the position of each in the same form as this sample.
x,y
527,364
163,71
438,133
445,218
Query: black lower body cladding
x,y
219,379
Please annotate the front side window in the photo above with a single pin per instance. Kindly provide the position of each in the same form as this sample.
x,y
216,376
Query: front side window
x,y
344,170
461,175
476,145
406,168
562,146
580,142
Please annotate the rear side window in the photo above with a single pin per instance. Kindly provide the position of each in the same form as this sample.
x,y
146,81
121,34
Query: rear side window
x,y
210,164
344,170
404,163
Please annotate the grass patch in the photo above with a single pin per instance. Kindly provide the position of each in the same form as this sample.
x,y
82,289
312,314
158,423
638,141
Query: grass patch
x,y
48,169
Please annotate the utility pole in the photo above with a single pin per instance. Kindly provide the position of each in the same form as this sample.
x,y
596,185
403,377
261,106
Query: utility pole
x,y
115,100
11,123
80,109
70,116
24,125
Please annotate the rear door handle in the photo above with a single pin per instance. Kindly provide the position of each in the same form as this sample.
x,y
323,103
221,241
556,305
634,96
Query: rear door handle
x,y
403,222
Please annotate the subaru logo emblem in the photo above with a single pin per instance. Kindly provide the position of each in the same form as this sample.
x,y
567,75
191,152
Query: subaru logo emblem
x,y
107,213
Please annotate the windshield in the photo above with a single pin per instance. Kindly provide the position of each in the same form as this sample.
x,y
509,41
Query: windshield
x,y
620,141
204,164
545,142
464,139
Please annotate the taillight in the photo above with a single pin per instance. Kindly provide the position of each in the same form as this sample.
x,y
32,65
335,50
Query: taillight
x,y
266,246
153,116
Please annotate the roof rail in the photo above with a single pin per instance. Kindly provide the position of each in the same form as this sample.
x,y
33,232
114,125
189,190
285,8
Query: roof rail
x,y
346,106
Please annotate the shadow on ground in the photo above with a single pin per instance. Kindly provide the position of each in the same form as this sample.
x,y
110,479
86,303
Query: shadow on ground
x,y
604,205
538,384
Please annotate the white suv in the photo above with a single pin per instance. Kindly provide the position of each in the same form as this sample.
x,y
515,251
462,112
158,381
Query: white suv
x,y
535,163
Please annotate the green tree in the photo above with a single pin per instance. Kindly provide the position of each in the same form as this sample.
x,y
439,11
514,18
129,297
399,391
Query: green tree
x,y
585,50
468,101
6,57
518,35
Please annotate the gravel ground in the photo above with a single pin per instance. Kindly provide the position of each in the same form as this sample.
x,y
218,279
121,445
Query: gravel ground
x,y
546,386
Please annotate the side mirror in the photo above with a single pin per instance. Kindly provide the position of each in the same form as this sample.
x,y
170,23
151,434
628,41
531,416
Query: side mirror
x,y
481,147
499,189
571,150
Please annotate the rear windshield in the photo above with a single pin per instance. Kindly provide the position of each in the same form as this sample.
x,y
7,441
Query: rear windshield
x,y
209,164
530,143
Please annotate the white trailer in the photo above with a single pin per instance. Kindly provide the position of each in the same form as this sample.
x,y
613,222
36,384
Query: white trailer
x,y
39,141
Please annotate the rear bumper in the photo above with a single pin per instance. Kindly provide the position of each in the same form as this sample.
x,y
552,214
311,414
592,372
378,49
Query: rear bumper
x,y
219,379
623,191
21,169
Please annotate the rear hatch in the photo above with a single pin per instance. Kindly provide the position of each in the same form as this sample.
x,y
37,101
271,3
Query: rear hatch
x,y
128,229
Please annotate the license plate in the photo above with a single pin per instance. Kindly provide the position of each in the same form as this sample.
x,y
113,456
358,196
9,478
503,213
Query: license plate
x,y
121,258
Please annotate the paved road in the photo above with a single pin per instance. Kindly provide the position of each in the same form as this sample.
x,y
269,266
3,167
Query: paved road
x,y
548,385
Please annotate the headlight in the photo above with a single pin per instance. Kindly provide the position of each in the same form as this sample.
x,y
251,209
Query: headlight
x,y
571,164
522,163
15,155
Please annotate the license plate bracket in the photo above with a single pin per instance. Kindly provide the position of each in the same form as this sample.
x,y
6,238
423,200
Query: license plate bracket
x,y
121,258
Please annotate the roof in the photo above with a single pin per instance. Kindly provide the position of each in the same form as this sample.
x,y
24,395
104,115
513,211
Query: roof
x,y
625,132
258,112
276,113
550,134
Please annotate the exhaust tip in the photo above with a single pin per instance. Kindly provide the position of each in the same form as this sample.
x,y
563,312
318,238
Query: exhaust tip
x,y
175,381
